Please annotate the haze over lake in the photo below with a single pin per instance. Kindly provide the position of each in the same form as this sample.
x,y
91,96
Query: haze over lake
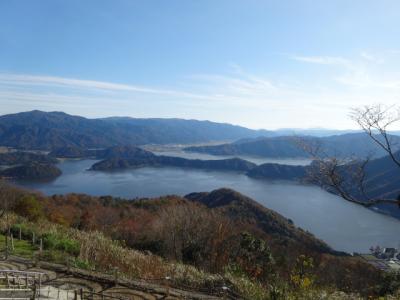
x,y
343,225
254,159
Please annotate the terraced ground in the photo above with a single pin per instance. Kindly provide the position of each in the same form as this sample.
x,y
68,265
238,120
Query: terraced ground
x,y
60,283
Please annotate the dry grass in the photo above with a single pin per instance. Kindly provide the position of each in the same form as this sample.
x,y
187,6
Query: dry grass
x,y
105,255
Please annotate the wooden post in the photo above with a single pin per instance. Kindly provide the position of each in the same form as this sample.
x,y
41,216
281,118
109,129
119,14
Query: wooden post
x,y
75,295
81,293
6,246
224,289
167,279
33,238
8,280
68,265
116,275
12,242
20,233
41,246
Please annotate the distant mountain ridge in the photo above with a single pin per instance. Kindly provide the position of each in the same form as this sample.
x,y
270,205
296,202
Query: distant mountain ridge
x,y
317,132
345,145
50,130
382,180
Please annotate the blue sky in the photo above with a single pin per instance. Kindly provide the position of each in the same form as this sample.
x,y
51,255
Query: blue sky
x,y
261,64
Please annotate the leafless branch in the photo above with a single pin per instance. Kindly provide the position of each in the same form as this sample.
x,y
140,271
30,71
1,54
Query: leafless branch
x,y
345,177
376,120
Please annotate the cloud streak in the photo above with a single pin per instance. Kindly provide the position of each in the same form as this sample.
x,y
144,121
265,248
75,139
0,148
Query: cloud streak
x,y
24,79
322,60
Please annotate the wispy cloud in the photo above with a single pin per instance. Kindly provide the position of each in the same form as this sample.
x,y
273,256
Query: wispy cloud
x,y
72,83
363,72
99,87
24,79
371,57
322,60
367,81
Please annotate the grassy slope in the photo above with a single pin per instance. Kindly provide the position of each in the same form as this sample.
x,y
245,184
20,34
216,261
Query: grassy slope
x,y
100,253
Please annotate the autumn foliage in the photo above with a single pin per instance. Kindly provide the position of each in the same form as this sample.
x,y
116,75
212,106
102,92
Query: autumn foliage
x,y
226,233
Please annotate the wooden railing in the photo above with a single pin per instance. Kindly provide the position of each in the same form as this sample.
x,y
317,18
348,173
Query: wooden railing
x,y
20,284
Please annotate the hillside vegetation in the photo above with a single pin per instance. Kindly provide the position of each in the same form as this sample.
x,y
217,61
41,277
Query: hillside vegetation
x,y
201,240
32,171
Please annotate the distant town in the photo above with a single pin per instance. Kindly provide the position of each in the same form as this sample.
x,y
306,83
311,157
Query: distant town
x,y
386,259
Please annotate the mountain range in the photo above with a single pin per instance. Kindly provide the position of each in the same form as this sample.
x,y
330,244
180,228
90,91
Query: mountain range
x,y
50,130
54,130
344,146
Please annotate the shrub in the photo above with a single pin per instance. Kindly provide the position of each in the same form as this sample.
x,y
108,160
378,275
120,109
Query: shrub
x,y
82,264
30,208
57,242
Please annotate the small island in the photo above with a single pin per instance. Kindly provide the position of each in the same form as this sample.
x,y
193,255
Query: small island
x,y
32,171
133,157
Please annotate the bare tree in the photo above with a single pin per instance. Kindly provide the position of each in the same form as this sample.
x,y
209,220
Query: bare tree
x,y
348,177
376,121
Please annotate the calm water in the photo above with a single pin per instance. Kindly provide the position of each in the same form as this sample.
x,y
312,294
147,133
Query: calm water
x,y
343,225
253,159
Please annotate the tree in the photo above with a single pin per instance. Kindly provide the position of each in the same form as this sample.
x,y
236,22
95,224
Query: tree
x,y
255,257
348,177
29,207
7,198
375,121
8,195
193,234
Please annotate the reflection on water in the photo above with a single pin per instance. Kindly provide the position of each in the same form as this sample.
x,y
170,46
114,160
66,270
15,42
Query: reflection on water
x,y
343,225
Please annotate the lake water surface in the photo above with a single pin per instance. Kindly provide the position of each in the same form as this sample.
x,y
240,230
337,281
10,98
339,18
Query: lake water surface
x,y
343,225
254,159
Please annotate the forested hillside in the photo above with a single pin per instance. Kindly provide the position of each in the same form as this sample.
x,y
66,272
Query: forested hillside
x,y
51,130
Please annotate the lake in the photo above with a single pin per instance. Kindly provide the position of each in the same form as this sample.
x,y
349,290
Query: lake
x,y
343,225
178,152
